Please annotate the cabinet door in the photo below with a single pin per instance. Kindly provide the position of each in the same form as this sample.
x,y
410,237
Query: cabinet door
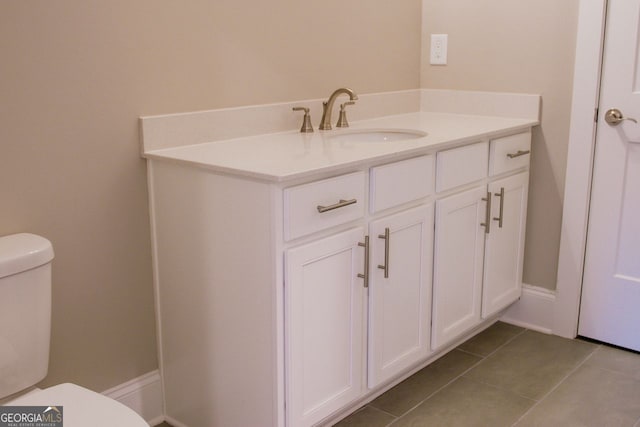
x,y
458,261
400,305
504,248
323,326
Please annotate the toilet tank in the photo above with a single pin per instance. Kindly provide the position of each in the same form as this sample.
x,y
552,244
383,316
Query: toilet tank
x,y
25,310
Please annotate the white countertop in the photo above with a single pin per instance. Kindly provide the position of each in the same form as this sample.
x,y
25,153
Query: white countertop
x,y
290,155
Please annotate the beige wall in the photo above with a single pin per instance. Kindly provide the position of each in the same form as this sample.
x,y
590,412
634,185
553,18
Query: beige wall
x,y
517,46
74,78
76,75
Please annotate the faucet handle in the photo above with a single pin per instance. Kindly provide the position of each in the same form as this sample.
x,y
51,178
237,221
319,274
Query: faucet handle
x,y
342,119
306,124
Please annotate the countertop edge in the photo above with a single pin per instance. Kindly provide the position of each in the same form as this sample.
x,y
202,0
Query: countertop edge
x,y
162,155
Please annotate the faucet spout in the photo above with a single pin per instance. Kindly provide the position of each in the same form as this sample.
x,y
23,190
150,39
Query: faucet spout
x,y
327,106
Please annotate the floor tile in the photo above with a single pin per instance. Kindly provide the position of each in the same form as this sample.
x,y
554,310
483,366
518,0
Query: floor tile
x,y
467,403
590,396
367,417
421,385
623,361
531,364
487,341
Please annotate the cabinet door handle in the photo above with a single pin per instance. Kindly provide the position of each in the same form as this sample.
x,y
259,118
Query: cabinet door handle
x,y
385,267
499,218
365,276
341,204
518,154
487,214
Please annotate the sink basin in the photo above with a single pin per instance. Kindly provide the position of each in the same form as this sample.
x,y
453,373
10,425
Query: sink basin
x,y
377,135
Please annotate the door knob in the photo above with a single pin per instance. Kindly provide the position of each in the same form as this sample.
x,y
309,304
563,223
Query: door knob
x,y
614,117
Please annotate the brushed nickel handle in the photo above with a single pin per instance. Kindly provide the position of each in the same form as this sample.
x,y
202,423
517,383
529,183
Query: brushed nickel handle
x,y
342,119
518,154
614,117
487,214
306,121
385,267
501,195
341,204
365,276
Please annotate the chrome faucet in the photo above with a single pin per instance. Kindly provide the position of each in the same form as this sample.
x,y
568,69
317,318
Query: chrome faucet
x,y
327,106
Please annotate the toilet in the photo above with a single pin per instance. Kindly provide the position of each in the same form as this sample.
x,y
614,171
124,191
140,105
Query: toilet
x,y
25,327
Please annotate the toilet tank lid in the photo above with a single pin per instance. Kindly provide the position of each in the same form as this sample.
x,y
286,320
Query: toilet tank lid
x,y
22,252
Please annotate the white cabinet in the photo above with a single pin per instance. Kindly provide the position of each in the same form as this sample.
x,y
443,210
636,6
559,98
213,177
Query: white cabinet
x,y
324,301
504,250
458,261
479,239
326,289
324,310
400,182
261,286
461,166
323,204
399,292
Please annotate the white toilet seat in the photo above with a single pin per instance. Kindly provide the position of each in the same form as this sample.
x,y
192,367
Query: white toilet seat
x,y
82,407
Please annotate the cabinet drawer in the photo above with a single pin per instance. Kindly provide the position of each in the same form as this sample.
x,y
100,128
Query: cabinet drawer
x,y
401,182
509,153
460,166
341,199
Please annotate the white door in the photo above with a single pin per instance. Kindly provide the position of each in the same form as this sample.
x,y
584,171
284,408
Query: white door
x,y
610,306
458,262
324,318
504,246
399,304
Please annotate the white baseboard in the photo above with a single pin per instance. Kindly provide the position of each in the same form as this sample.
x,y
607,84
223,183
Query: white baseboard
x,y
143,395
534,310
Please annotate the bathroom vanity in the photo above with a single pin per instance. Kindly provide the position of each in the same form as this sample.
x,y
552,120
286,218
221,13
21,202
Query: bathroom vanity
x,y
299,276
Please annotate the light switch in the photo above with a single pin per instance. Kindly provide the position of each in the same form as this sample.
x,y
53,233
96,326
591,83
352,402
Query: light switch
x,y
438,49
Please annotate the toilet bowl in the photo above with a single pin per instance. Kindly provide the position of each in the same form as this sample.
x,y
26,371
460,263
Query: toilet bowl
x,y
82,407
25,327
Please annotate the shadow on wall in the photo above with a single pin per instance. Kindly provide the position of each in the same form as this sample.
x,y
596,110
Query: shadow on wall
x,y
545,205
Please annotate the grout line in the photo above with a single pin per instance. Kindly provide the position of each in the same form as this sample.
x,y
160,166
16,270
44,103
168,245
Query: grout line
x,y
497,387
505,343
382,410
502,389
554,388
482,358
611,370
493,385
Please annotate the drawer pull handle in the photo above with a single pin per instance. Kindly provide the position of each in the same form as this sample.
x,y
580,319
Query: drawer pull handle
x,y
365,276
518,154
340,204
385,267
487,214
499,218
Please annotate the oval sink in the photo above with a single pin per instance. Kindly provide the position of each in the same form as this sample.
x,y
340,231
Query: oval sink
x,y
377,135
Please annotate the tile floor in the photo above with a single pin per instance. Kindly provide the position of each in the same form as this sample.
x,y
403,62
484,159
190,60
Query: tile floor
x,y
510,376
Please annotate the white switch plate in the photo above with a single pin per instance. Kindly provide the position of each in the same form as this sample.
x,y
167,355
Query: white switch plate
x,y
438,49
